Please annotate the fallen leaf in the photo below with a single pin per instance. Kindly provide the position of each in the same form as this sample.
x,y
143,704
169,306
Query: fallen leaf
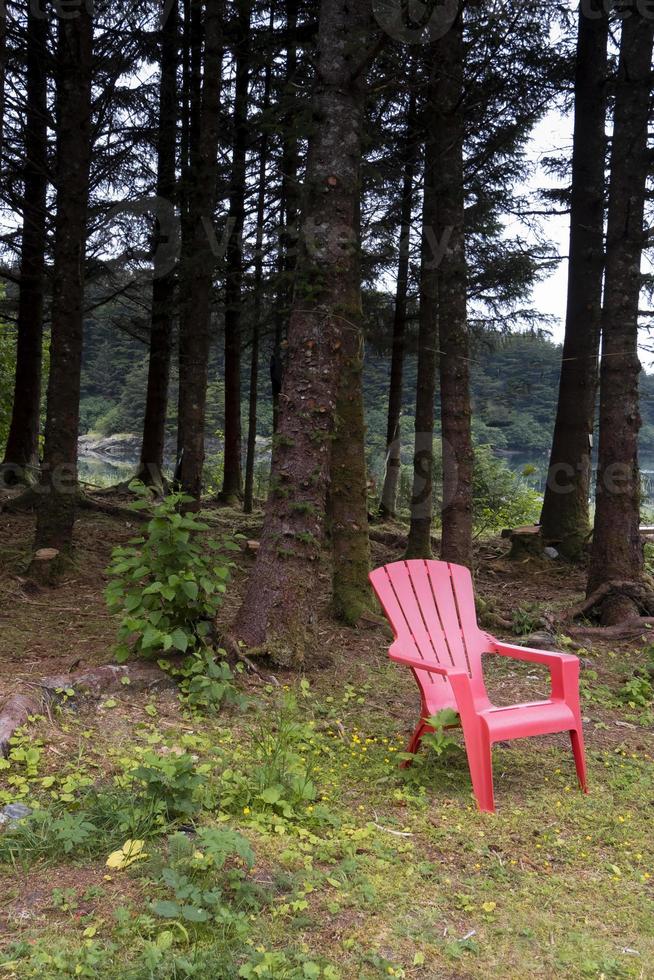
x,y
131,851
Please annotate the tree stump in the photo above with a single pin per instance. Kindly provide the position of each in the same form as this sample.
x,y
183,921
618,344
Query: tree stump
x,y
45,566
526,542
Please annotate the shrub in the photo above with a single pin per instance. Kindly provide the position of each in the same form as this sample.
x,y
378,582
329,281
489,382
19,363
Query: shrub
x,y
501,498
166,586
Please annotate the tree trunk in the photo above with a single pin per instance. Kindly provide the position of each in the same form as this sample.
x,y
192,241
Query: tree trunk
x,y
565,516
197,262
248,499
21,453
163,286
3,71
232,480
58,488
387,507
348,492
284,590
447,219
288,235
419,537
617,552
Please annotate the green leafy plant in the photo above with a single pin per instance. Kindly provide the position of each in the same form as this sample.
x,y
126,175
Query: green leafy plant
x,y
638,691
174,783
206,683
501,498
265,964
279,776
166,586
204,875
438,742
526,618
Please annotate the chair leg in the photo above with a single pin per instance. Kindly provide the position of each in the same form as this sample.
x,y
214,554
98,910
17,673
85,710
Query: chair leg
x,y
577,739
414,743
480,763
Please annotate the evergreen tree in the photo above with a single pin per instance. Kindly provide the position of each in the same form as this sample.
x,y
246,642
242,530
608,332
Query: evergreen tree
x,y
56,512
281,601
617,552
565,517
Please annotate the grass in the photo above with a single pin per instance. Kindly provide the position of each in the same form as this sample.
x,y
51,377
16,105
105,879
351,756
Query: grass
x,y
360,870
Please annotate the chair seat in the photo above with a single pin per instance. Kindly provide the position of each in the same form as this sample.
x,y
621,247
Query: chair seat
x,y
531,718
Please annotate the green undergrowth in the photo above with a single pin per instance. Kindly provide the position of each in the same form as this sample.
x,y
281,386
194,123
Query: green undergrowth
x,y
281,840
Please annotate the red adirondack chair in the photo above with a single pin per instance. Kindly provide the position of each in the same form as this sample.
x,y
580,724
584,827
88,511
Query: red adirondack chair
x,y
431,607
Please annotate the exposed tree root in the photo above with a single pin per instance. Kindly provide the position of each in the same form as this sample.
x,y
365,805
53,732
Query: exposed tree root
x,y
236,655
29,499
632,629
21,503
86,502
623,610
394,539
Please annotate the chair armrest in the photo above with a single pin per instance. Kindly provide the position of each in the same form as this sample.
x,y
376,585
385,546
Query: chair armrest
x,y
563,667
545,657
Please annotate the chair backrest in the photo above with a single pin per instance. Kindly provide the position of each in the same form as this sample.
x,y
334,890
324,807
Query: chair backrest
x,y
431,607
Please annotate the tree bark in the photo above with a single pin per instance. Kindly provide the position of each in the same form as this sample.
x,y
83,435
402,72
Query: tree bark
x,y
284,590
419,537
21,453
197,261
348,491
388,504
248,497
565,517
447,219
617,551
58,485
3,71
163,285
232,489
288,233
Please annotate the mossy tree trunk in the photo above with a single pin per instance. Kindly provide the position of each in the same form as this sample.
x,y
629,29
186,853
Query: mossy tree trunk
x,y
284,589
198,261
21,453
288,203
565,516
447,218
348,492
163,286
58,485
617,552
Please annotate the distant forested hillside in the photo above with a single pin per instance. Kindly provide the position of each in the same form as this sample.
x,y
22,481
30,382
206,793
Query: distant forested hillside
x,y
514,390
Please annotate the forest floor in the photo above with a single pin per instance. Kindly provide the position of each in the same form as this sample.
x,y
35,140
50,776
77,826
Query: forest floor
x,y
358,869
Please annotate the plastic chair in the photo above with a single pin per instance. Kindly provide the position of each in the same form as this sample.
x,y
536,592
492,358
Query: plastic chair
x,y
431,608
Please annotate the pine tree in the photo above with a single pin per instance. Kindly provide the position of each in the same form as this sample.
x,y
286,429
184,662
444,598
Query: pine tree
x,y
232,481
447,219
617,552
163,285
282,597
565,517
56,512
197,262
21,453
393,434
